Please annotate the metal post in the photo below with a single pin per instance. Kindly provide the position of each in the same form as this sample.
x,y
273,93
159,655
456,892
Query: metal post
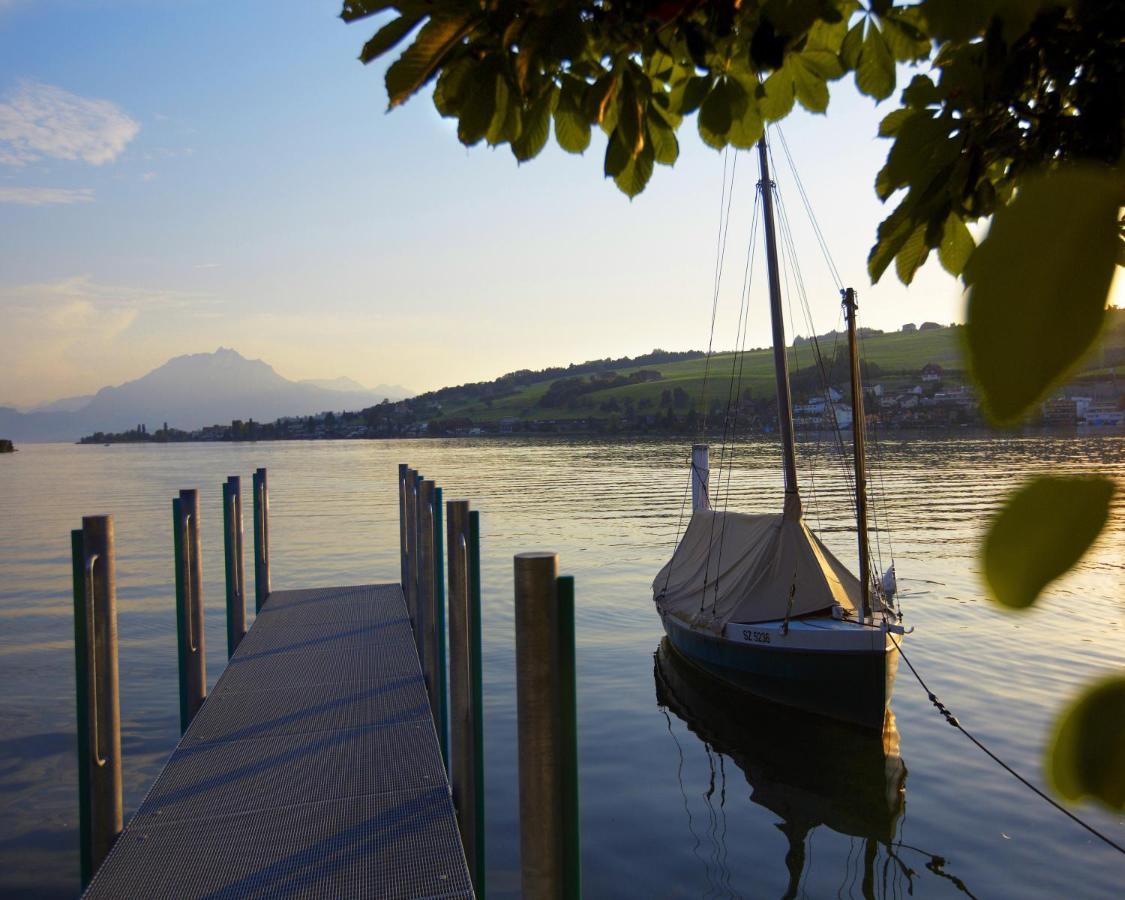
x,y
403,469
427,584
700,478
235,568
568,739
410,585
98,704
189,605
439,626
465,722
261,540
549,864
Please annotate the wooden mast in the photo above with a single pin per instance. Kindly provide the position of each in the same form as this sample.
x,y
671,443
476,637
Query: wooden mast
x,y
780,361
859,453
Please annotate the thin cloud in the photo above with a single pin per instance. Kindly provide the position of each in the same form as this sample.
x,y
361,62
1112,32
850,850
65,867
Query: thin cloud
x,y
39,196
40,121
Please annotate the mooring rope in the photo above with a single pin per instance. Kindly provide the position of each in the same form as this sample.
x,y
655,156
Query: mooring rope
x,y
952,720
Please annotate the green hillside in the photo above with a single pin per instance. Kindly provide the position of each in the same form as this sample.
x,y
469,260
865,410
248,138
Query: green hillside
x,y
660,381
891,354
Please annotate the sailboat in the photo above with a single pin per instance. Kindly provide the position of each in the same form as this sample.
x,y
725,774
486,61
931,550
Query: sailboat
x,y
759,601
809,771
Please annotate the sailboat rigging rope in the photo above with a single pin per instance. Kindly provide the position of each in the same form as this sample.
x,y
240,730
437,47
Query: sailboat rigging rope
x,y
720,254
729,422
952,720
808,209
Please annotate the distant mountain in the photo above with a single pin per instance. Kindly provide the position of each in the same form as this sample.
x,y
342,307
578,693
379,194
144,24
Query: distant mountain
x,y
187,392
350,385
66,404
343,383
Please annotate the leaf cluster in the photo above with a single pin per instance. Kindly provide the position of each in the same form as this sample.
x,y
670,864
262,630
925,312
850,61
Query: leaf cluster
x,y
510,70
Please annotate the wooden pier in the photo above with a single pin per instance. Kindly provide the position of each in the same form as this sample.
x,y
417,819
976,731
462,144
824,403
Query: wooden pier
x,y
317,767
312,770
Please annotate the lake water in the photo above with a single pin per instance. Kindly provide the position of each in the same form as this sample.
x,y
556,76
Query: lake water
x,y
684,792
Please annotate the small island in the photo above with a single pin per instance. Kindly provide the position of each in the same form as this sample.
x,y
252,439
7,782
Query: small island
x,y
6,446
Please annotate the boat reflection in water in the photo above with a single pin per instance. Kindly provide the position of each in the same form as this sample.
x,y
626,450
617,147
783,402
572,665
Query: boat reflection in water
x,y
806,769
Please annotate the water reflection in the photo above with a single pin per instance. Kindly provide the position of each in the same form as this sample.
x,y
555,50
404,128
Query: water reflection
x,y
807,770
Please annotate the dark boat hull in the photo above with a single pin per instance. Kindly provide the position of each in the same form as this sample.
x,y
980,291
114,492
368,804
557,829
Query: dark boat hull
x,y
849,686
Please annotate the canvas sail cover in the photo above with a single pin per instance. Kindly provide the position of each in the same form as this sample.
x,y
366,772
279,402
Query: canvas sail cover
x,y
742,568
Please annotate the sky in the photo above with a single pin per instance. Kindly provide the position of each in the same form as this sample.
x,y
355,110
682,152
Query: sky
x,y
179,176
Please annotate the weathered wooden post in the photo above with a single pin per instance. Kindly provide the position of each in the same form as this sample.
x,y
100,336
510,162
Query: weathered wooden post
x,y
261,540
427,589
235,568
466,726
189,605
439,627
410,586
98,704
547,748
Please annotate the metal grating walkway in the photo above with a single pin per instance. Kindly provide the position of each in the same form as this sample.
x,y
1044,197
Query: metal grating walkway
x,y
312,770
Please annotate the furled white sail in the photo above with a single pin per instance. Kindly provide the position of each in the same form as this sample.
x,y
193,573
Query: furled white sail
x,y
731,567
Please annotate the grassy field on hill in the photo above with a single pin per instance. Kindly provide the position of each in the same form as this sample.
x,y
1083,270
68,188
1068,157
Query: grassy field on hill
x,y
896,358
895,354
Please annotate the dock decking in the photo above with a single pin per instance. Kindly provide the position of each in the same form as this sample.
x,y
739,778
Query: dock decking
x,y
312,770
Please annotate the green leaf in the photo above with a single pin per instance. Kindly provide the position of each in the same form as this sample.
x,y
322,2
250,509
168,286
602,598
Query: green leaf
x,y
775,99
1086,758
893,121
616,155
665,147
479,108
853,43
536,127
687,97
875,69
715,114
956,246
893,233
421,59
1038,285
1041,532
359,9
447,91
572,130
809,85
632,179
912,254
387,36
746,130
506,119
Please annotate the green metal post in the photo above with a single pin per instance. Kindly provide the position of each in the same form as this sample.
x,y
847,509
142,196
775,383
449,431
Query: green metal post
x,y
235,570
439,610
182,606
82,683
475,668
568,740
261,540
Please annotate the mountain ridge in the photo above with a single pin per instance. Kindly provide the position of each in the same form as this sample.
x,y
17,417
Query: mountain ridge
x,y
189,391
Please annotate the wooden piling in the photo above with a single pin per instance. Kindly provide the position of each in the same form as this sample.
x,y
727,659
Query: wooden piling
x,y
261,540
466,729
549,864
234,565
189,604
98,703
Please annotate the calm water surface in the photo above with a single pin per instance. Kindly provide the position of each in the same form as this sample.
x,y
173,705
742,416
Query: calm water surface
x,y
685,793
